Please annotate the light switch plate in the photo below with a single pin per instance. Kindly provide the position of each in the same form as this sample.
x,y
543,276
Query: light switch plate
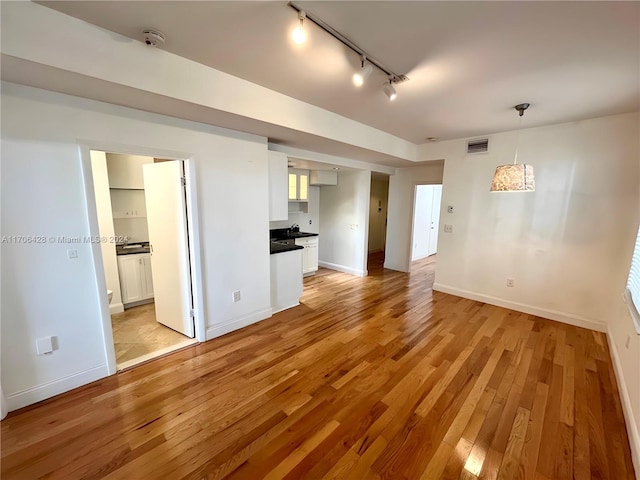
x,y
450,209
448,228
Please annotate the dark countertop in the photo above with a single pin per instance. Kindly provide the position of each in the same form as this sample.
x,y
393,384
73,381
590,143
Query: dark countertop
x,y
288,234
279,248
285,234
134,248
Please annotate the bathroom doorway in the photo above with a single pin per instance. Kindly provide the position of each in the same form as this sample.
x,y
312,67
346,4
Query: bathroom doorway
x,y
141,207
377,238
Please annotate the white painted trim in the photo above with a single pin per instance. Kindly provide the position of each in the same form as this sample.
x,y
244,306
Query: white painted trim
x,y
116,308
629,418
237,323
98,264
563,317
85,147
274,311
41,392
342,268
194,253
187,342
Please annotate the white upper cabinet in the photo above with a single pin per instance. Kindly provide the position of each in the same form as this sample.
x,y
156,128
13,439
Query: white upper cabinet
x,y
298,185
278,205
125,171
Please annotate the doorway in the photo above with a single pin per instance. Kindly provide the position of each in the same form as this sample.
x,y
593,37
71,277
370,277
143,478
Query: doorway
x,y
378,202
426,221
141,207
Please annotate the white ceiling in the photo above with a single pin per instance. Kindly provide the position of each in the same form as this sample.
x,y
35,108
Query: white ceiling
x,y
468,62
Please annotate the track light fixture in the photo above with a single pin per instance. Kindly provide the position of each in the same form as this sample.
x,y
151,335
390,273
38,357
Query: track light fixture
x,y
365,71
389,91
299,35
367,63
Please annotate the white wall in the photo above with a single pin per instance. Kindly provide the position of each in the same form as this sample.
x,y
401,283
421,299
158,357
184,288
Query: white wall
x,y
45,293
568,245
401,199
302,219
344,218
378,206
135,228
105,225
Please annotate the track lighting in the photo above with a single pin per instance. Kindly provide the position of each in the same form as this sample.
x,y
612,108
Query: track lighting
x,y
299,35
389,91
365,71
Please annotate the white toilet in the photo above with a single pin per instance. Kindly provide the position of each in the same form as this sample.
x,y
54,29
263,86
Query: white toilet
x,y
110,295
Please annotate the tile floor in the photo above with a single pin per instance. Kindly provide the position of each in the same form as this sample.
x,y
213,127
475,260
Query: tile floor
x,y
137,334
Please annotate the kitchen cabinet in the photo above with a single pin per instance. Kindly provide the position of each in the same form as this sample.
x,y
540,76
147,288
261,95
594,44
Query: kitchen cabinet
x,y
125,171
309,254
298,185
322,178
278,205
286,280
136,284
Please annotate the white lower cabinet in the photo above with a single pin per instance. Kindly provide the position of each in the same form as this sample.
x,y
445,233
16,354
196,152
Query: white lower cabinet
x,y
309,254
136,284
286,280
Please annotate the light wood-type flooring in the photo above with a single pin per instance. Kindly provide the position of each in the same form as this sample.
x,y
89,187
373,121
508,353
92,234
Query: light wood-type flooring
x,y
370,378
136,334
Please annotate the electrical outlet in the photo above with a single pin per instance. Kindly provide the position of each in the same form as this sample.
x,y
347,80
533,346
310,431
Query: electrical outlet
x,y
236,296
510,282
310,221
448,228
71,254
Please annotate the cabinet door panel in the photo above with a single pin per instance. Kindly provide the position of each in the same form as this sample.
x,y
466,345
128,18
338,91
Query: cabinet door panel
x,y
147,279
293,186
303,191
312,257
130,281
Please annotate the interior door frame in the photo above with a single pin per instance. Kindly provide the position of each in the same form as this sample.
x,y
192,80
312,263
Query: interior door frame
x,y
412,218
188,159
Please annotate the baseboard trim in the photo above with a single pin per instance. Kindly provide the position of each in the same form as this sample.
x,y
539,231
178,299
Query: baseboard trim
x,y
563,317
41,392
629,418
116,308
237,323
342,268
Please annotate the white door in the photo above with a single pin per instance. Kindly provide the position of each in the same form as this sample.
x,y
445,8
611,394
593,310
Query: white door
x,y
422,221
166,216
435,219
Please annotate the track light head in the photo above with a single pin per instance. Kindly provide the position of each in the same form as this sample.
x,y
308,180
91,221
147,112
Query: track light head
x,y
299,35
390,91
365,71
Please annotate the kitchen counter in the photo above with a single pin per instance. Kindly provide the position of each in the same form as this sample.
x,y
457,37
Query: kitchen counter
x,y
280,248
133,248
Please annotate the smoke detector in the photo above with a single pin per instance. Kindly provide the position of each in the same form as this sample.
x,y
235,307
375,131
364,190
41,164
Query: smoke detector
x,y
153,37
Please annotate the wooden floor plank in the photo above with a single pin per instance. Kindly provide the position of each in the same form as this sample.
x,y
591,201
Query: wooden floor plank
x,y
368,378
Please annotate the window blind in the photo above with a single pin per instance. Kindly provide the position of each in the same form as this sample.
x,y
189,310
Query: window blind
x,y
633,285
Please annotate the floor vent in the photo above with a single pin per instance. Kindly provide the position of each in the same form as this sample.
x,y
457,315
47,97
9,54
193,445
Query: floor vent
x,y
478,146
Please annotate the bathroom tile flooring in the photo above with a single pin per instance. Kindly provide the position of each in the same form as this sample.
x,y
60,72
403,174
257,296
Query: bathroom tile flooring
x,y
136,334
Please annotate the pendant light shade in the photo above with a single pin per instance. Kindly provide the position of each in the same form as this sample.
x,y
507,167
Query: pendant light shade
x,y
513,178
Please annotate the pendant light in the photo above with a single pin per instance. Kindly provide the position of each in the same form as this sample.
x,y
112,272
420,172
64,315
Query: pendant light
x,y
514,177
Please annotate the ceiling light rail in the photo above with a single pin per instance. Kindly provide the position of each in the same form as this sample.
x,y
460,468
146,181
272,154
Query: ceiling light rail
x,y
393,77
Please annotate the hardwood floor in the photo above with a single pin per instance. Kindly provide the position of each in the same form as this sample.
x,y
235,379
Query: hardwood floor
x,y
374,378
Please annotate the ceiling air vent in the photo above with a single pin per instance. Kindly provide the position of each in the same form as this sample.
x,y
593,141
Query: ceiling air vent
x,y
478,146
